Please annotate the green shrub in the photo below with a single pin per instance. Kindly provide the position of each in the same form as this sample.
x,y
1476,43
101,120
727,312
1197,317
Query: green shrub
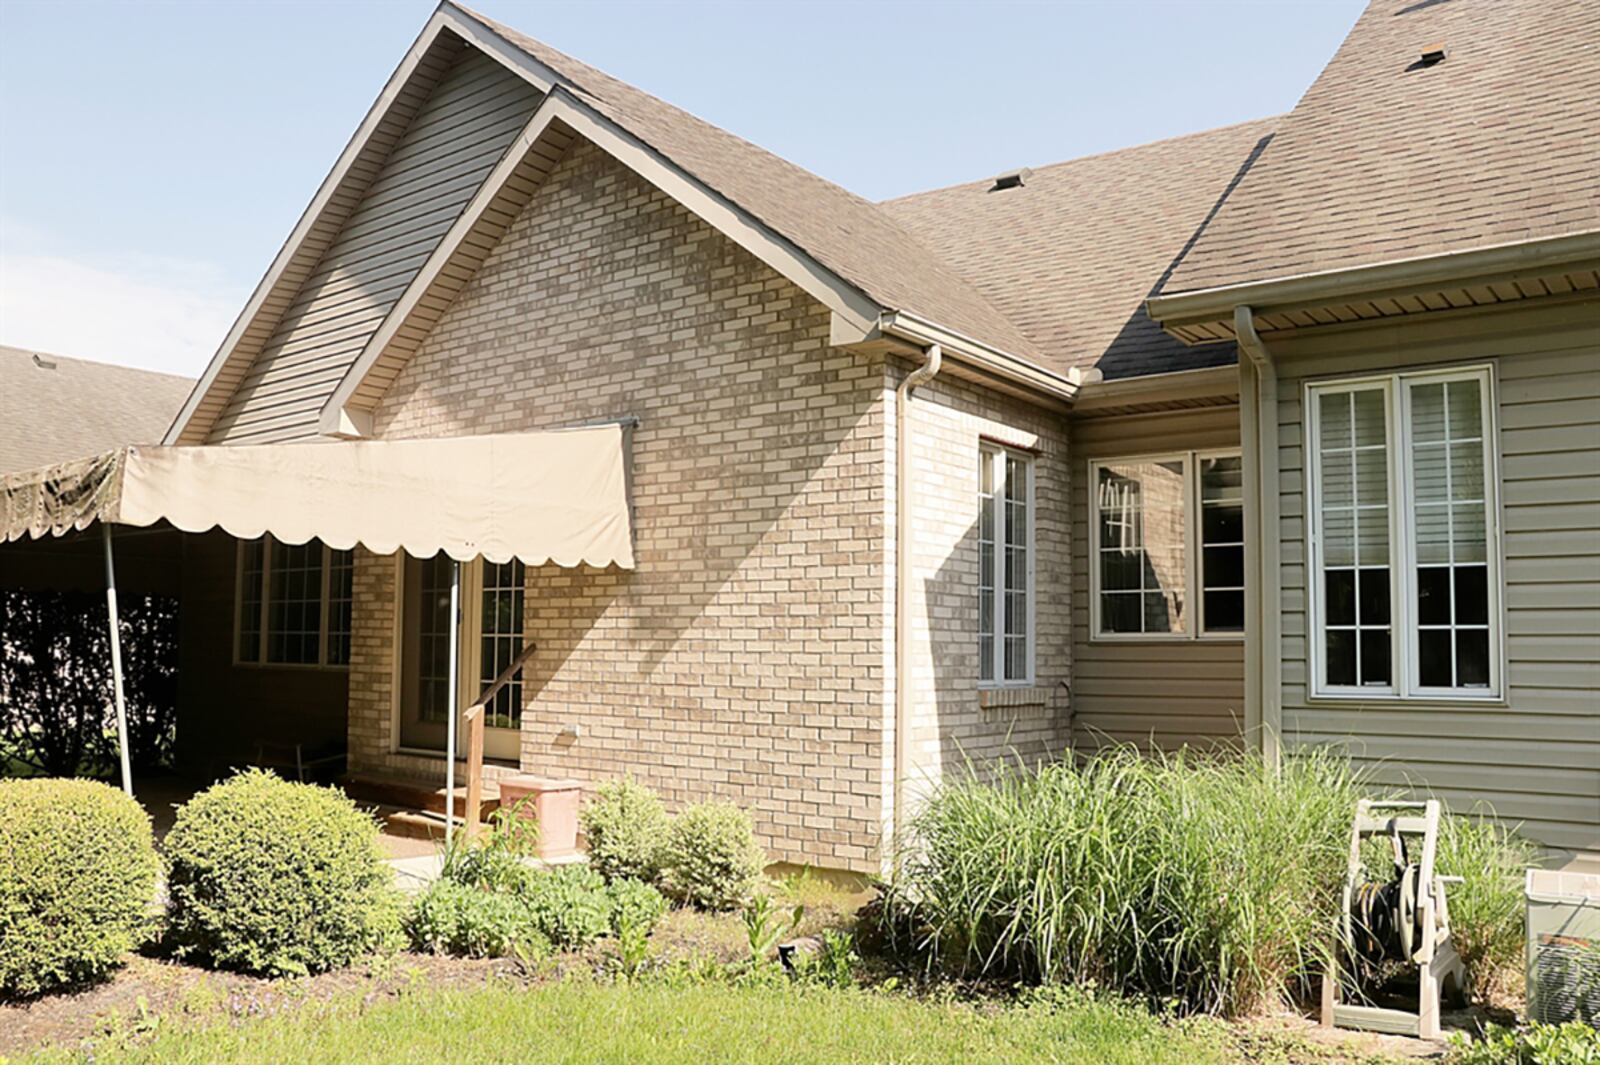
x,y
1208,882
1572,1043
634,904
1487,911
711,858
273,877
624,826
77,882
568,904
452,918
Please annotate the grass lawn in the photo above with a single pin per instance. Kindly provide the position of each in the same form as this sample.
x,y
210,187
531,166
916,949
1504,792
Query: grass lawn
x,y
583,1021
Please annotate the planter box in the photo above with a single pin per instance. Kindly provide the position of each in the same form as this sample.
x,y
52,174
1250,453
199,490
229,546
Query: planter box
x,y
552,803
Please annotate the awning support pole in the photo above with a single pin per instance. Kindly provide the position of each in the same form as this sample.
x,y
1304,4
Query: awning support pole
x,y
454,703
116,660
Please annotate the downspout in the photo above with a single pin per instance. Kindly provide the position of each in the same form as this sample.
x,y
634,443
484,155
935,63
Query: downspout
x,y
1264,667
921,375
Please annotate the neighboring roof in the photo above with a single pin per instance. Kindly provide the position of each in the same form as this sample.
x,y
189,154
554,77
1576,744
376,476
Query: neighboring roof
x,y
1071,254
53,408
842,231
1387,159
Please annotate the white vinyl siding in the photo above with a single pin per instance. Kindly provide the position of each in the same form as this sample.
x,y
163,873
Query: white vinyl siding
x,y
1005,567
1405,594
292,604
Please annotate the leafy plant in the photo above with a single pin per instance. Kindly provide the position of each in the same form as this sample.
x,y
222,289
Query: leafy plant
x,y
77,882
55,680
454,918
765,924
624,826
278,878
496,859
1573,1043
568,904
635,909
833,965
711,859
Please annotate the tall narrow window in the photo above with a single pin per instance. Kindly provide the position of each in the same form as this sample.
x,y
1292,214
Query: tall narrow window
x,y
1005,567
1142,546
1449,533
294,604
1405,591
500,636
1222,543
1353,503
341,600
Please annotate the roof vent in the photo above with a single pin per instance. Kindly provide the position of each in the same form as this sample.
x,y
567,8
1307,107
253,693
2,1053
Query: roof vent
x,y
42,362
1431,55
1011,179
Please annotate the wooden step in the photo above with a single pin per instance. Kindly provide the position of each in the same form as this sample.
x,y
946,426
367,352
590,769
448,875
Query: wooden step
x,y
408,793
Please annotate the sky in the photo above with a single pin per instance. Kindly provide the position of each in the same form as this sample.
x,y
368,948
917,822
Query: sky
x,y
154,156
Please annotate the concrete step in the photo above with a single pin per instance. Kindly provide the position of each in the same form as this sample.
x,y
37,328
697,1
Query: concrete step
x,y
418,796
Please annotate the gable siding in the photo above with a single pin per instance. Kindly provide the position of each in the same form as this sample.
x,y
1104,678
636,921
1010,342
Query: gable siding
x,y
1156,693
456,138
1535,759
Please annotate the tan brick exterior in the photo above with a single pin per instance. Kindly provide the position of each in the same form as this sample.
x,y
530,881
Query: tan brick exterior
x,y
749,656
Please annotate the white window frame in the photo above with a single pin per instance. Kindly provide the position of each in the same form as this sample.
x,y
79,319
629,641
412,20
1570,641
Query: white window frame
x,y
1193,582
997,453
1405,635
323,616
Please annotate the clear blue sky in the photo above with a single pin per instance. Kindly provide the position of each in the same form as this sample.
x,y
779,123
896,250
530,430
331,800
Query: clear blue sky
x,y
154,155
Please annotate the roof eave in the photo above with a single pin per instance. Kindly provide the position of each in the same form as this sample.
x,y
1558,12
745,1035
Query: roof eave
x,y
1211,306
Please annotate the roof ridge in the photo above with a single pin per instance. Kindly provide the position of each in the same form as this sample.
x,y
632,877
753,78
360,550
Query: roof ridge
x,y
522,41
9,349
1107,154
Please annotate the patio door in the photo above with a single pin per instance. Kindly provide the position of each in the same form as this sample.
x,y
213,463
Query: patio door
x,y
493,596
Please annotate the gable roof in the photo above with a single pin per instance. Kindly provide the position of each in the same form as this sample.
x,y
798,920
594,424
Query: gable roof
x,y
874,267
1387,159
847,234
53,409
1071,255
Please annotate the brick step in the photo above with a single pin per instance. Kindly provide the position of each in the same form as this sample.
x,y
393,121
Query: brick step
x,y
412,824
419,796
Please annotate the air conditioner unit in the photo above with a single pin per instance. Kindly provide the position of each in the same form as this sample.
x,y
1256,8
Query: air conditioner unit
x,y
1563,946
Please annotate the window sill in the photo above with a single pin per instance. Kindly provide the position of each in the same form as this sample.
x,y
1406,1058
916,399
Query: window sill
x,y
1410,702
1167,637
1014,696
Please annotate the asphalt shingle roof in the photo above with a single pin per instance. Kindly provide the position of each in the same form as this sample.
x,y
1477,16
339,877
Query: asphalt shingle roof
x,y
1386,159
845,233
1072,254
53,408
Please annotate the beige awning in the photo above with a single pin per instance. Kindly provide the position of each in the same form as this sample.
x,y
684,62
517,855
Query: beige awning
x,y
555,496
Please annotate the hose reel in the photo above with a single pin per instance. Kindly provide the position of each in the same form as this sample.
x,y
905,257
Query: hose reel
x,y
1402,920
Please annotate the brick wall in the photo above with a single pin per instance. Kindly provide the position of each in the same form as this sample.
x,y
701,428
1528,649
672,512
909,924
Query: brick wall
x,y
749,655
742,658
954,721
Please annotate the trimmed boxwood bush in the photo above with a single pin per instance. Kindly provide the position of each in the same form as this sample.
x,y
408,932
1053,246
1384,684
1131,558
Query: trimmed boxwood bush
x,y
77,882
273,877
624,825
711,858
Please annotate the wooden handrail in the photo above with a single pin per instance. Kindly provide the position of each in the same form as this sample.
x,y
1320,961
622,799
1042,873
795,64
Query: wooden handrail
x,y
506,674
473,720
